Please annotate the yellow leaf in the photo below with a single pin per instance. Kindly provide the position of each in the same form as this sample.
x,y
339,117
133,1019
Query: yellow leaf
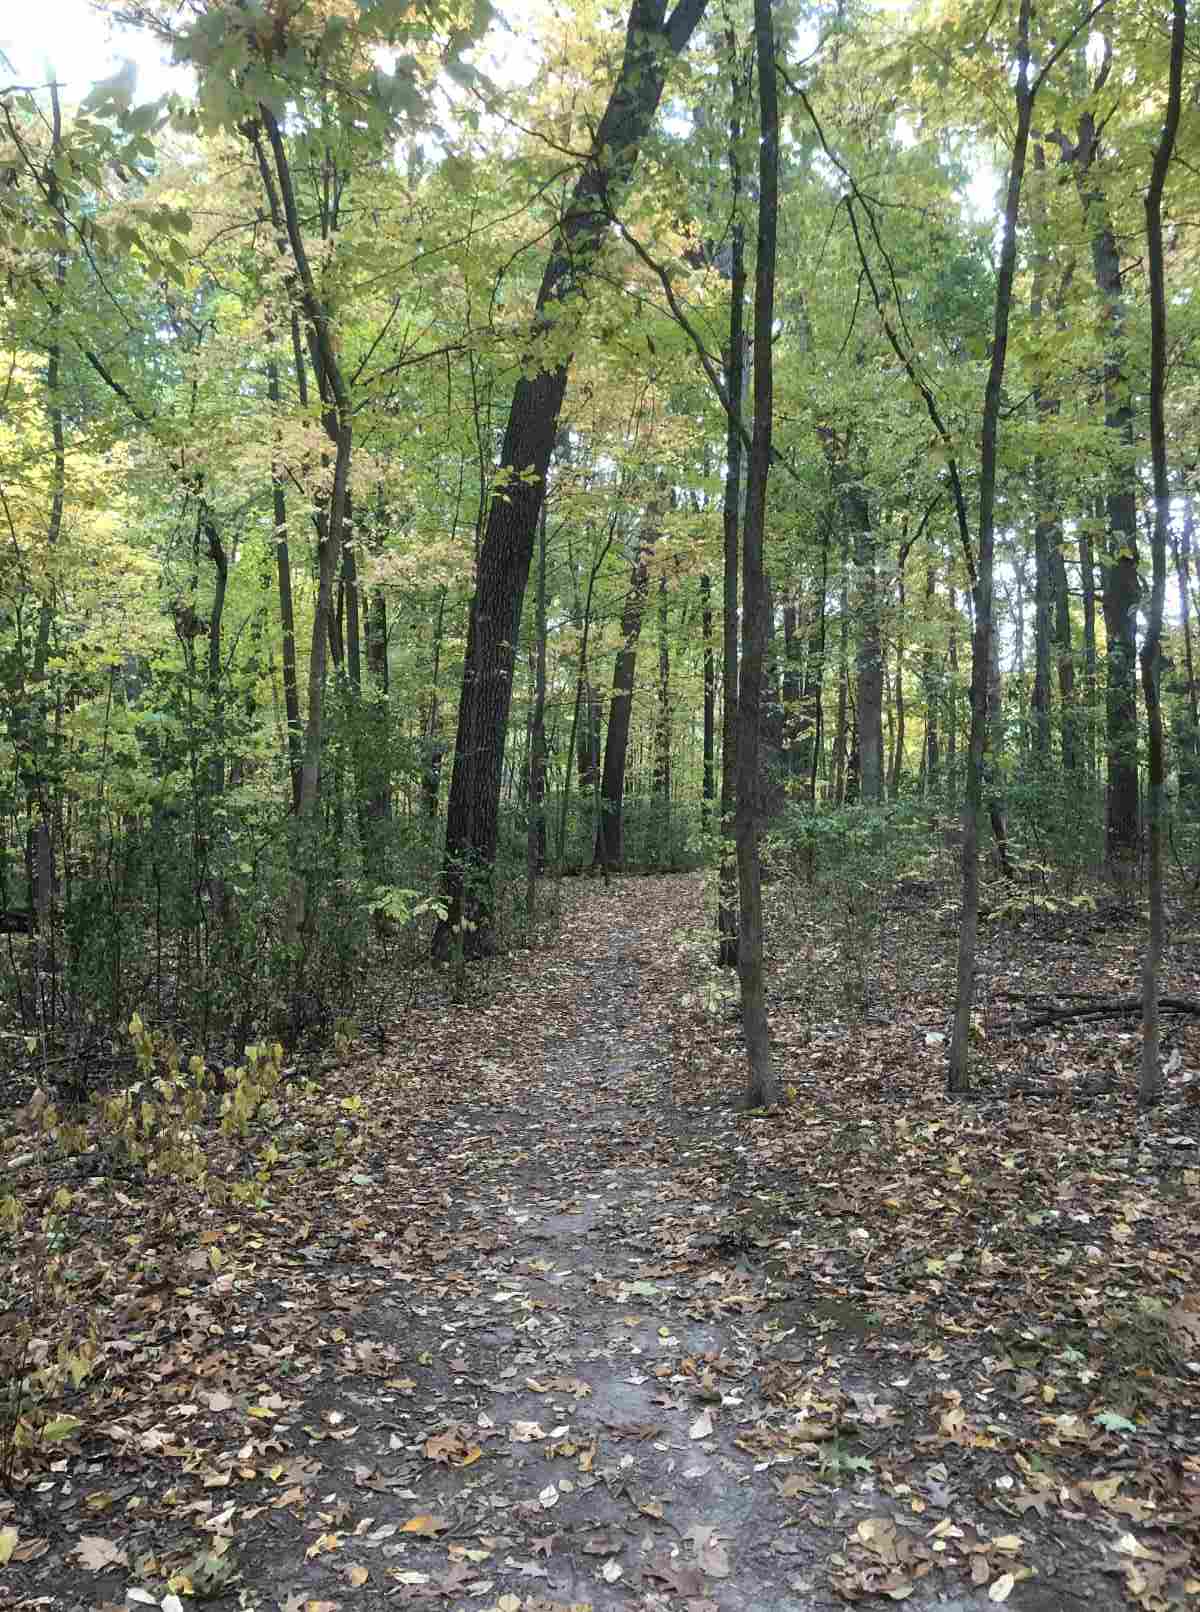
x,y
357,1575
8,1543
1002,1588
424,1524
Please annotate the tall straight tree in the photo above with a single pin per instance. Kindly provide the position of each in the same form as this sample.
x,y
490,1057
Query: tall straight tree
x,y
1025,91
762,1083
652,42
1151,1078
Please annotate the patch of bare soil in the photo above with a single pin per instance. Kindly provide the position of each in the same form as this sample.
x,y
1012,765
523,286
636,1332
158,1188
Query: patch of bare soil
x,y
529,1316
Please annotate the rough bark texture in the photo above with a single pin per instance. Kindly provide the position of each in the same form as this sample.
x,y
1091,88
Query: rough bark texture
x,y
762,1083
652,41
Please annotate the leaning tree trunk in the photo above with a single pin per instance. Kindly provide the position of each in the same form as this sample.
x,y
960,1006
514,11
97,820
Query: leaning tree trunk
x,y
762,1083
337,419
652,41
1150,1079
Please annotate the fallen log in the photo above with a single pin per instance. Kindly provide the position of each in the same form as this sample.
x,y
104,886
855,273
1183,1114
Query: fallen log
x,y
1098,1008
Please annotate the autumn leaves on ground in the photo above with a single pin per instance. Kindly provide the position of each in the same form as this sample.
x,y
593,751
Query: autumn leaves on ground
x,y
510,1308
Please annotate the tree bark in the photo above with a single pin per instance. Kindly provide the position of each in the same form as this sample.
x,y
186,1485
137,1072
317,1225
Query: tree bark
x,y
981,645
652,41
735,375
1120,591
1189,762
762,1083
610,847
1150,1077
1087,574
932,691
708,790
535,849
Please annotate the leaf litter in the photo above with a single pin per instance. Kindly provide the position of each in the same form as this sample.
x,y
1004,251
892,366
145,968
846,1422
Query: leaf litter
x,y
529,1318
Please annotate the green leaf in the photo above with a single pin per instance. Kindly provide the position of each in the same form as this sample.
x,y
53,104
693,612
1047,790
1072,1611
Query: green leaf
x,y
60,1428
1115,1423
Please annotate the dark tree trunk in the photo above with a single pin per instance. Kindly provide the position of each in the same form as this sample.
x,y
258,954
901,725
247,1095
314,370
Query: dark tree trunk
x,y
762,1083
610,848
735,373
1150,1079
791,687
1189,760
661,787
982,654
652,41
1121,593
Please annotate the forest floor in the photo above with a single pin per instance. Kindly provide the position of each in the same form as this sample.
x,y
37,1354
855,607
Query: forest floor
x,y
531,1318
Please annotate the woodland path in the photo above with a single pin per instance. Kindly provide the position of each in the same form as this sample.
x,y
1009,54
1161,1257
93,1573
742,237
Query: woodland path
x,y
544,1338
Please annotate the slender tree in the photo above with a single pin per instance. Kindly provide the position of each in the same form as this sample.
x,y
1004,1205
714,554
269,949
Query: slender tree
x,y
1150,1077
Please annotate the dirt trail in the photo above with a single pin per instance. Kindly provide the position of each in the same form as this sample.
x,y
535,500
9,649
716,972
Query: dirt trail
x,y
527,1354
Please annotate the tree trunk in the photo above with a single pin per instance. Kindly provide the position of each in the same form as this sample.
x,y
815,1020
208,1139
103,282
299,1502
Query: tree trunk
x,y
814,677
535,852
337,419
1087,574
843,696
897,768
431,766
762,1083
981,644
1150,1078
708,791
652,41
287,617
791,687
662,726
1189,759
610,848
1120,591
735,376
932,691
1068,714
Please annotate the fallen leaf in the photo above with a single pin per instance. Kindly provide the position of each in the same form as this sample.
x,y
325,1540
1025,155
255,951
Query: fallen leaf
x,y
98,1555
425,1525
702,1427
1002,1588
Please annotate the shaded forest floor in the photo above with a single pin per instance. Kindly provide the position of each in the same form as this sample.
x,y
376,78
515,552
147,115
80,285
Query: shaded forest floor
x,y
529,1317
